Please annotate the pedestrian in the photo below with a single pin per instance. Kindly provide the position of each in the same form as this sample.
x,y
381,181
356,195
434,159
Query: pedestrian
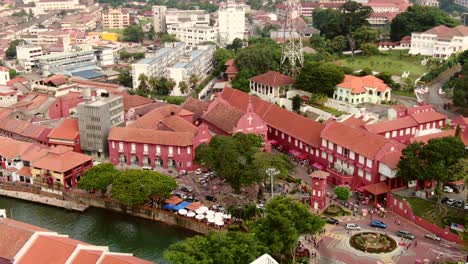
x,y
401,252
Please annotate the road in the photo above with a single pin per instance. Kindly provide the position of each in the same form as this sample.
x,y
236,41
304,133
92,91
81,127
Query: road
x,y
435,99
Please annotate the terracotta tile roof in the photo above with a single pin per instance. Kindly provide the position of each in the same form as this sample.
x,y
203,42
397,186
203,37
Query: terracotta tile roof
x,y
35,152
13,236
123,259
229,62
144,109
67,130
178,124
60,249
224,117
319,174
151,136
391,159
153,118
231,66
87,257
56,80
377,188
426,138
196,106
130,101
429,116
25,171
10,148
360,84
358,140
390,125
273,78
297,126
444,32
399,107
355,122
61,159
3,69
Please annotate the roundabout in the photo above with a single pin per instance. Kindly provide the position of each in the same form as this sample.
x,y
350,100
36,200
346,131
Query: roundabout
x,y
373,242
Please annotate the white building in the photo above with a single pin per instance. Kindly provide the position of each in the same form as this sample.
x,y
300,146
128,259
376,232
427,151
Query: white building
x,y
115,18
440,41
164,18
461,2
49,37
51,5
107,54
27,55
4,75
8,96
175,61
231,22
434,3
193,34
80,59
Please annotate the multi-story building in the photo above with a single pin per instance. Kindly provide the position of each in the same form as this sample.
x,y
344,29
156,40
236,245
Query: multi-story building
x,y
96,116
270,85
80,59
461,2
358,90
164,18
52,5
107,54
115,18
81,22
231,22
434,3
440,42
27,55
4,75
193,34
176,62
8,96
50,37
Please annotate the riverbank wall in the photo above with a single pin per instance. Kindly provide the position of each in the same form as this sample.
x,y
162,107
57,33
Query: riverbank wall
x,y
155,214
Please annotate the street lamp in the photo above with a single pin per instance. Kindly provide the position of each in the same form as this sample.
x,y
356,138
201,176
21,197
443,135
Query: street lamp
x,y
272,172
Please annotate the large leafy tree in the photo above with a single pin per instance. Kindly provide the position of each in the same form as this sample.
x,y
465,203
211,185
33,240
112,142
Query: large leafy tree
x,y
11,51
296,103
183,86
216,247
460,90
319,78
284,221
342,193
125,77
133,33
329,22
136,186
99,177
418,19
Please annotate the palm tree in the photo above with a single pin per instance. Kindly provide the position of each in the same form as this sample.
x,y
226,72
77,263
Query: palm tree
x,y
143,82
170,84
193,80
183,87
154,84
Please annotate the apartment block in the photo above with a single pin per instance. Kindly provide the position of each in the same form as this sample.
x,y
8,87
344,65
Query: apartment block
x,y
96,116
231,21
28,55
115,18
79,59
193,34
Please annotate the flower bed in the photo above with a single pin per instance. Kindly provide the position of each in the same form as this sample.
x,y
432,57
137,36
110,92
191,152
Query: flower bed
x,y
372,242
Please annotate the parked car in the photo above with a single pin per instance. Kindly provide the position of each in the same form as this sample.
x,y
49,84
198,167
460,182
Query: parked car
x,y
182,172
210,198
377,223
260,206
352,227
453,186
444,199
96,163
406,234
432,236
450,202
466,206
331,220
198,171
459,204
187,189
448,189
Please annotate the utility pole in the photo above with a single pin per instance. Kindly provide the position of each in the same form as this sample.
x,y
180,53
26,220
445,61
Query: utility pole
x,y
272,172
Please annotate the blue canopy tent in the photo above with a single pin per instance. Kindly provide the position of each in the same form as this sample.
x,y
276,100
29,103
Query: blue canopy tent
x,y
182,205
169,206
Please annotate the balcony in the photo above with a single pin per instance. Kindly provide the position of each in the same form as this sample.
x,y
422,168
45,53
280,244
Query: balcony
x,y
340,177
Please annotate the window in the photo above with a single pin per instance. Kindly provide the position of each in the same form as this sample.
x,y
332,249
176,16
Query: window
x,y
300,145
113,144
120,145
276,132
394,134
330,158
158,150
330,145
339,149
189,150
295,142
408,130
145,147
368,176
289,139
361,159
369,163
133,146
171,151
317,153
360,173
401,132
324,155
178,150
282,135
324,143
189,163
351,155
441,123
387,134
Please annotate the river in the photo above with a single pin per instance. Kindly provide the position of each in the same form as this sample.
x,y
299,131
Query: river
x,y
121,233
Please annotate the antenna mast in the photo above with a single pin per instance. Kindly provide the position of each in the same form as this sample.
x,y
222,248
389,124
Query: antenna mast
x,y
291,50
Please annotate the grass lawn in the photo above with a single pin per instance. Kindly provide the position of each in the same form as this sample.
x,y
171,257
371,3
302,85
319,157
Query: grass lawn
x,y
407,93
421,208
177,100
330,110
394,62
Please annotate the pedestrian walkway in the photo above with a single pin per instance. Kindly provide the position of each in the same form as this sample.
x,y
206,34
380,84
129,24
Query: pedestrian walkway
x,y
387,260
37,198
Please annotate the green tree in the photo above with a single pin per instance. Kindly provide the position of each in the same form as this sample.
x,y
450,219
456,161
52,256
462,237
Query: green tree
x,y
329,22
284,221
98,178
143,79
216,247
296,103
267,160
154,84
169,38
11,51
12,73
183,87
361,36
342,193
319,78
222,55
369,49
125,78
170,84
151,34
134,187
133,33
418,19
193,81
235,45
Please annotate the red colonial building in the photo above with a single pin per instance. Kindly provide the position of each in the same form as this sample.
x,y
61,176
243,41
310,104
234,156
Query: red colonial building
x,y
67,134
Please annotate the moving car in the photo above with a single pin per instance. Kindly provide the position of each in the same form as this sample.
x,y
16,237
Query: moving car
x,y
352,227
331,220
377,223
432,236
406,234
448,189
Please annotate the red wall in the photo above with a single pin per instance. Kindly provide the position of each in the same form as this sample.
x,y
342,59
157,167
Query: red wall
x,y
407,213
61,107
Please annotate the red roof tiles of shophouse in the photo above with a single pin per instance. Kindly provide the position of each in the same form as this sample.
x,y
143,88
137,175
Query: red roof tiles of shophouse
x,y
273,78
56,80
224,117
429,116
399,108
86,256
420,108
4,69
319,174
178,124
359,84
144,109
444,32
277,117
5,112
10,148
231,66
123,259
391,125
35,152
62,248
13,237
67,130
153,118
152,136
426,138
130,101
61,159
87,83
197,107
356,139
406,40
30,102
